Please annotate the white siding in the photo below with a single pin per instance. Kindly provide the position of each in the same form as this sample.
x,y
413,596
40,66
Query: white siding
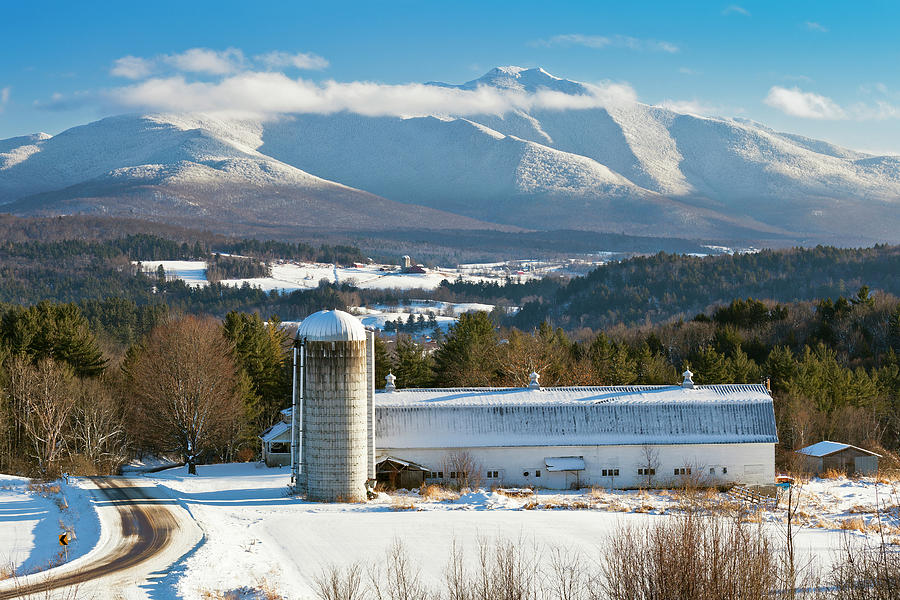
x,y
751,463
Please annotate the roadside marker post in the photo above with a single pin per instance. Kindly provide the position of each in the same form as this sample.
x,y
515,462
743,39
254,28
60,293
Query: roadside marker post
x,y
64,542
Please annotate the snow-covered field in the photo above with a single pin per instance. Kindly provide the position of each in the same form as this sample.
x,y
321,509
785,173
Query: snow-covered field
x,y
289,276
34,515
255,534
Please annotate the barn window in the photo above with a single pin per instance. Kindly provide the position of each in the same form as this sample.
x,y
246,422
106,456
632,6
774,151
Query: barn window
x,y
646,471
493,474
279,447
525,474
682,470
440,474
609,472
537,473
453,474
712,470
724,470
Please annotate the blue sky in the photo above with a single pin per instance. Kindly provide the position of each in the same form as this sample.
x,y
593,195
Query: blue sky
x,y
824,69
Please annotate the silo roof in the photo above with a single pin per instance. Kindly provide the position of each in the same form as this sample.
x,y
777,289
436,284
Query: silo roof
x,y
331,326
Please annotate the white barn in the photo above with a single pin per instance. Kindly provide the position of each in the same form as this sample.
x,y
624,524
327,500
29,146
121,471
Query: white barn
x,y
614,437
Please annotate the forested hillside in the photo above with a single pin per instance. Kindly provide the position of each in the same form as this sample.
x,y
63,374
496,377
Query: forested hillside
x,y
656,288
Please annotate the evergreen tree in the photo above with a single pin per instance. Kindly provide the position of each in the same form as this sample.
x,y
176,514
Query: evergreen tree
x,y
383,364
413,366
469,354
709,366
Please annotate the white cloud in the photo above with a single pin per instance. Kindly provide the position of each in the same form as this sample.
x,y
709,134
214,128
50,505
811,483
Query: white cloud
x,y
693,107
602,41
807,105
735,9
813,26
270,93
204,60
4,97
688,71
300,60
132,67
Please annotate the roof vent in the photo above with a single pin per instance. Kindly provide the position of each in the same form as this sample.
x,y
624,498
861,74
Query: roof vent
x,y
688,382
533,381
389,385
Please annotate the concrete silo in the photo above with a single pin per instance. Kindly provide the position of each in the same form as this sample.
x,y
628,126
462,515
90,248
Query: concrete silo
x,y
334,420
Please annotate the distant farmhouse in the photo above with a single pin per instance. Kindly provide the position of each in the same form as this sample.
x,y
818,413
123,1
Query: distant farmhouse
x,y
558,438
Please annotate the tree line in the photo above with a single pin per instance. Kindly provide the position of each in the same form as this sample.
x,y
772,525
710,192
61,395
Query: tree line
x,y
833,365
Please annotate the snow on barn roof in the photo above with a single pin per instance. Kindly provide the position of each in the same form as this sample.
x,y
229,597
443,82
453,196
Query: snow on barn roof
x,y
278,429
574,416
331,326
826,448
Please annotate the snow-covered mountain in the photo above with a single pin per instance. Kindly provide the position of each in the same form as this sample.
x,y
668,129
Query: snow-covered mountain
x,y
619,166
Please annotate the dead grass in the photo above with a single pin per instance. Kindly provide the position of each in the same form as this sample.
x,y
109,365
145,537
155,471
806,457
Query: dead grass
x,y
437,493
43,489
853,524
531,505
399,503
834,474
515,492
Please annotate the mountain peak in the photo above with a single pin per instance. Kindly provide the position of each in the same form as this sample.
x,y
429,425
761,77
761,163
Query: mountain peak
x,y
522,79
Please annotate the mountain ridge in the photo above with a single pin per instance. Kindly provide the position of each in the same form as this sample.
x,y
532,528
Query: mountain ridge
x,y
619,166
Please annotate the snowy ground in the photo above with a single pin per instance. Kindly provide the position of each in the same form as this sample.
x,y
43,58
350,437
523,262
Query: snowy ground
x,y
255,534
289,276
33,516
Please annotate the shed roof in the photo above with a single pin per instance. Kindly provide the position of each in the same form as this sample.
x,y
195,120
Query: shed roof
x,y
827,448
273,433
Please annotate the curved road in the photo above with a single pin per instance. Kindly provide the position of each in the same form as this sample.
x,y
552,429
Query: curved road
x,y
148,527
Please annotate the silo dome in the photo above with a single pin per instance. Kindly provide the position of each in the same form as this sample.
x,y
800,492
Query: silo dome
x,y
331,326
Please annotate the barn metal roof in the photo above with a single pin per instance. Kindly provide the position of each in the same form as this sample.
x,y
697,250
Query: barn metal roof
x,y
627,394
826,448
275,431
574,416
331,326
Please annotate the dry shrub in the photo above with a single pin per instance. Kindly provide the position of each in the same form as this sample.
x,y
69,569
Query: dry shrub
x,y
853,524
438,493
245,455
580,505
400,503
530,505
857,509
597,493
644,508
834,474
616,506
335,583
865,572
688,558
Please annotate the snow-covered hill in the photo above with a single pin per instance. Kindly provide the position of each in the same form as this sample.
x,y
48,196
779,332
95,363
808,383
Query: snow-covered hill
x,y
616,165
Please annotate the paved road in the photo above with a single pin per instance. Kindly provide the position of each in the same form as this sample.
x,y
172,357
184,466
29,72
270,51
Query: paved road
x,y
148,527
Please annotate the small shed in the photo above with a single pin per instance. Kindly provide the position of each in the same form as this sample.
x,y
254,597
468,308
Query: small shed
x,y
837,456
394,473
276,444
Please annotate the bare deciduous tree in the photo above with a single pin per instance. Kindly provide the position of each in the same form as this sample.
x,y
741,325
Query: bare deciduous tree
x,y
649,462
98,428
184,383
43,396
462,467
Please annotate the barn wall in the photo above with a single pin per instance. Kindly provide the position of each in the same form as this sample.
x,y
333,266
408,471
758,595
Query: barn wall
x,y
752,464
